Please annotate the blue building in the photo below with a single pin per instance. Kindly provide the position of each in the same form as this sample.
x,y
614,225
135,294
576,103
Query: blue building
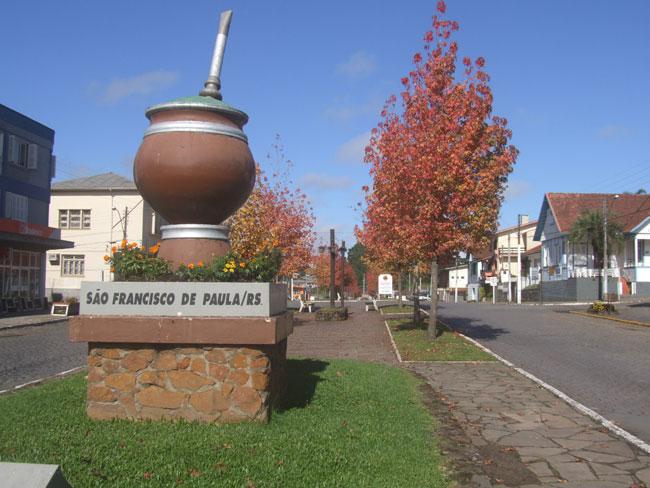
x,y
27,167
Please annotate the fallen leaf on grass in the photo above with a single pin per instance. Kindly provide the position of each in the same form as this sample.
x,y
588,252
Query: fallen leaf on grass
x,y
194,473
221,467
250,484
147,475
279,462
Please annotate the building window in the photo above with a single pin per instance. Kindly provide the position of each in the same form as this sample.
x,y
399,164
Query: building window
x,y
22,153
74,219
72,265
16,207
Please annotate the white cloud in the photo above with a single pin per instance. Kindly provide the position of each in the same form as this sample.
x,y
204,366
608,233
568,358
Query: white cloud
x,y
353,150
612,131
358,65
342,111
142,84
325,182
516,189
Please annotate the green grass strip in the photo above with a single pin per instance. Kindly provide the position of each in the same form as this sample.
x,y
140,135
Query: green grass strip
x,y
343,423
414,345
391,309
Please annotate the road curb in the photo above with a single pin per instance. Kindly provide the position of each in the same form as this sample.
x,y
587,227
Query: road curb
x,y
43,380
37,324
608,424
613,319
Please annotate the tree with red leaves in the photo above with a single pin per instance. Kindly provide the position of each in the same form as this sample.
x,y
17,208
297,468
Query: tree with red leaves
x,y
440,165
275,216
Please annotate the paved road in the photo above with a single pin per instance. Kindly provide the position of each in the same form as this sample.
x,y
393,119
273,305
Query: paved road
x,y
31,353
604,365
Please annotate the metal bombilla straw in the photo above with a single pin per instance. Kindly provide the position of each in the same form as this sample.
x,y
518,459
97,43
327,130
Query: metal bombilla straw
x,y
212,87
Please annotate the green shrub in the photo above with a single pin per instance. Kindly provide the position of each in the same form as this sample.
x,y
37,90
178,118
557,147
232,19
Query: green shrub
x,y
602,307
130,262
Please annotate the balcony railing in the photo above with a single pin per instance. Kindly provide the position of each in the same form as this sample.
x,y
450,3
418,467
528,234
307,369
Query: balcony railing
x,y
555,273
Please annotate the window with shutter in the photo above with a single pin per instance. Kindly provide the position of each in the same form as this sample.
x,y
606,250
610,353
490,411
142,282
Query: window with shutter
x,y
13,149
16,207
2,149
32,156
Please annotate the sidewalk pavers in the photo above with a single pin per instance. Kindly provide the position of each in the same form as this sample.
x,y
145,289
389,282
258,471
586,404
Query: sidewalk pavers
x,y
495,426
501,411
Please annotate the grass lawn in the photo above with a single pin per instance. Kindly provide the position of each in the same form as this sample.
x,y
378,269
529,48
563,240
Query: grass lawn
x,y
413,344
344,423
391,309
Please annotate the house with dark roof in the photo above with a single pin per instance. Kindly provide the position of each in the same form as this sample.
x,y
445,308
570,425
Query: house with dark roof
x,y
569,271
97,213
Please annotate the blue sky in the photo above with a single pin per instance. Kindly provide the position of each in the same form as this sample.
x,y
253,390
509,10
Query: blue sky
x,y
570,76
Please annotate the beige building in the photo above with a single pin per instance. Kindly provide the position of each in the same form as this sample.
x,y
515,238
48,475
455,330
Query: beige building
x,y
506,240
96,213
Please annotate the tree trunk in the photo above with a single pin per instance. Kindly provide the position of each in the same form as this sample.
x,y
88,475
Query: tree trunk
x,y
416,298
399,289
432,330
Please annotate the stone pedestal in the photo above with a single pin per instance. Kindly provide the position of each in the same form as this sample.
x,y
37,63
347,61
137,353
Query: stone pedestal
x,y
197,369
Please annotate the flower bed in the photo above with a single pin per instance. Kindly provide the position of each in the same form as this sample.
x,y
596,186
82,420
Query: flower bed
x,y
131,262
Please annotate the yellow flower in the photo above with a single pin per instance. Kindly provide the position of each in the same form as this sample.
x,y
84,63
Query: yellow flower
x,y
107,258
225,270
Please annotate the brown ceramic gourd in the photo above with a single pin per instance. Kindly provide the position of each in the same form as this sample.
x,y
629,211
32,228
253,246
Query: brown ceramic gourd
x,y
194,165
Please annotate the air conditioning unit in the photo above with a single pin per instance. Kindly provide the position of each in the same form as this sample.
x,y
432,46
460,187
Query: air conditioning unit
x,y
54,259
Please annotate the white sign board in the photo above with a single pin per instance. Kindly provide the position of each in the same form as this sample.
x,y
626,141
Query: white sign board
x,y
385,284
183,299
493,281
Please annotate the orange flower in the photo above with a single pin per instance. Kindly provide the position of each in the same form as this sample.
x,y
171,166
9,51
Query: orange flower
x,y
133,245
154,249
112,269
190,266
114,249
200,264
107,258
242,265
123,244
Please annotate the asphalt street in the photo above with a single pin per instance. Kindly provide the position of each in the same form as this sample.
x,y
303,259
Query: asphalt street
x,y
602,364
31,353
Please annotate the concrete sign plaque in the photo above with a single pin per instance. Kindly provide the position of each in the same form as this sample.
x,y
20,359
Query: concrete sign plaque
x,y
183,299
385,284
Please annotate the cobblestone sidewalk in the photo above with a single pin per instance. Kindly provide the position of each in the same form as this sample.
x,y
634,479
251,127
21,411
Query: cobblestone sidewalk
x,y
522,435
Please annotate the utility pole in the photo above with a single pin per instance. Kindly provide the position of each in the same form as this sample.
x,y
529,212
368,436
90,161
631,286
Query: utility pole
x,y
605,249
343,249
126,222
332,268
519,259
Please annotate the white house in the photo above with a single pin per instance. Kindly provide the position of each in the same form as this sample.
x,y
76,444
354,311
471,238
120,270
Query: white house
x,y
95,212
568,270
